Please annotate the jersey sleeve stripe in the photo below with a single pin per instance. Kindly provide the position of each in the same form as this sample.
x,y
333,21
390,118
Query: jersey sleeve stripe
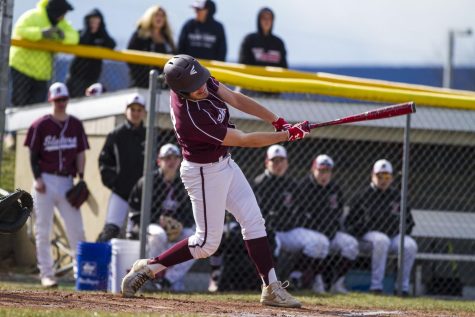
x,y
204,132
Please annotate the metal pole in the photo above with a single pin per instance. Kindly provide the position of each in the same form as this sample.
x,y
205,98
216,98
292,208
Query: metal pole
x,y
6,8
447,75
149,163
403,211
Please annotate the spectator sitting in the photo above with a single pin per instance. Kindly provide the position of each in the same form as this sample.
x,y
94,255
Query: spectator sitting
x,y
170,203
374,218
320,204
83,72
263,48
31,69
153,34
121,165
203,36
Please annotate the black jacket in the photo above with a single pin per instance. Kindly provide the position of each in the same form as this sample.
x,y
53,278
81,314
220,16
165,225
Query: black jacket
x,y
169,199
90,68
139,74
275,198
375,210
203,40
122,158
263,50
319,208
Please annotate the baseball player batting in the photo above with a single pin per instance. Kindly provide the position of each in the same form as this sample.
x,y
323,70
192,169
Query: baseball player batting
x,y
214,182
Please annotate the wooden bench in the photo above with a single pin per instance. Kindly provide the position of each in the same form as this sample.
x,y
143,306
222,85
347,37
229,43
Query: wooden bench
x,y
437,226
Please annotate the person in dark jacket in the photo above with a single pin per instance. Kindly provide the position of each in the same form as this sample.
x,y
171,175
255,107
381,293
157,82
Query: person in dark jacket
x,y
84,72
203,36
263,48
374,218
153,34
320,205
121,165
170,200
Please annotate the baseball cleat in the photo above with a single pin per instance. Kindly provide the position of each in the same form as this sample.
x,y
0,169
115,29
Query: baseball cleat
x,y
276,295
49,282
138,275
339,286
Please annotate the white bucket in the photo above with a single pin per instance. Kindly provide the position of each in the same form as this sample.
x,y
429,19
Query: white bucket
x,y
124,254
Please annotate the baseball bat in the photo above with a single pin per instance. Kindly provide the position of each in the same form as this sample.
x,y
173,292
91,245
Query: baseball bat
x,y
380,113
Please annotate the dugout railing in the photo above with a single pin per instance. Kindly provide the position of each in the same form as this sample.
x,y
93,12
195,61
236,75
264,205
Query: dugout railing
x,y
442,152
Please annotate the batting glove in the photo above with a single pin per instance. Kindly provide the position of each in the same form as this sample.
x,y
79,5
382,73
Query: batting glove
x,y
281,125
298,131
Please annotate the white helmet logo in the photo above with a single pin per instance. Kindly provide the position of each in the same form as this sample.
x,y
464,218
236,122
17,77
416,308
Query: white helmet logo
x,y
193,71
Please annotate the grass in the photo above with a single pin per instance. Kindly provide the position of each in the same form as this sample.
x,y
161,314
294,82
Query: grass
x,y
7,170
353,301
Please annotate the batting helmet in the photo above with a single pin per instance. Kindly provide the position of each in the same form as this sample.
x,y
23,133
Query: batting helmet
x,y
184,74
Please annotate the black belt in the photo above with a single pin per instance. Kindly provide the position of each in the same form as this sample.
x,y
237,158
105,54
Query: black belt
x,y
60,173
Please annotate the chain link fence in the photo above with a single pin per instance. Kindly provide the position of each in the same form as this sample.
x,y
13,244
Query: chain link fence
x,y
441,200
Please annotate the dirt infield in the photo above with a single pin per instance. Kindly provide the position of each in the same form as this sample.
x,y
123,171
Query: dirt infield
x,y
184,305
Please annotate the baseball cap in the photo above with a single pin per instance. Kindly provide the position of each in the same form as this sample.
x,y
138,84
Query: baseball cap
x,y
135,99
57,90
382,166
96,89
169,149
276,151
323,161
199,4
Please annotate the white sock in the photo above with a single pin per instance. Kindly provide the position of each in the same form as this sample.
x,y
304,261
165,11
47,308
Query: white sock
x,y
156,268
272,276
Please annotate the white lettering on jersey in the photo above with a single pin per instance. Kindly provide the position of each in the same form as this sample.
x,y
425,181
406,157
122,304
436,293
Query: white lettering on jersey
x,y
53,143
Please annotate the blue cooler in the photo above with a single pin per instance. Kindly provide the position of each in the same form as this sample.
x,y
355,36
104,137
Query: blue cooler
x,y
93,260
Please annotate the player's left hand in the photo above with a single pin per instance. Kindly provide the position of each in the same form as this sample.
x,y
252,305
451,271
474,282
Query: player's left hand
x,y
298,131
281,125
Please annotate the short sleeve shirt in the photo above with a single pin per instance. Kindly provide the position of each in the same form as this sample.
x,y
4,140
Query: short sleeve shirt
x,y
201,125
57,143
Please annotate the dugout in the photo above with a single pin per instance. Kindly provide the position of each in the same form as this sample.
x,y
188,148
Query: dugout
x,y
442,168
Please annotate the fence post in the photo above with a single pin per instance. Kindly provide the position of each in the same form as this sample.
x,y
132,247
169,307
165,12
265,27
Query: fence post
x,y
6,10
403,211
149,163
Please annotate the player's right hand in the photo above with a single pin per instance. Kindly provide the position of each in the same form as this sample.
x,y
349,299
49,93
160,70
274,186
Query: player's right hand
x,y
281,125
298,131
39,185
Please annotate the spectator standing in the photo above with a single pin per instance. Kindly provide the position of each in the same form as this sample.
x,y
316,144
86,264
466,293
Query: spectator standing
x,y
263,48
121,165
153,34
57,144
32,69
320,205
84,72
203,36
374,218
171,218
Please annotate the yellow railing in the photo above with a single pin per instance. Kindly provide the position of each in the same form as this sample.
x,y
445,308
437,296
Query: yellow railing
x,y
282,80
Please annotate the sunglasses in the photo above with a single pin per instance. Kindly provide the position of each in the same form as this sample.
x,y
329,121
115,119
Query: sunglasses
x,y
62,99
384,176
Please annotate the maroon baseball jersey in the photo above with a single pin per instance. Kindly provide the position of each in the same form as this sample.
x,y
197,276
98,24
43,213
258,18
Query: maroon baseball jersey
x,y
57,143
201,125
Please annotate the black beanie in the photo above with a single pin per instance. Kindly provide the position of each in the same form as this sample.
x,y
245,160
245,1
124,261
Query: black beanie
x,y
57,8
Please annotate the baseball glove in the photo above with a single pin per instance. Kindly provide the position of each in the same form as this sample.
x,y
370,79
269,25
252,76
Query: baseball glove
x,y
171,226
78,194
15,209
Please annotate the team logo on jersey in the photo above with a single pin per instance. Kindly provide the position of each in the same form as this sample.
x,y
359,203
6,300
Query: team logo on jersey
x,y
221,115
53,143
193,71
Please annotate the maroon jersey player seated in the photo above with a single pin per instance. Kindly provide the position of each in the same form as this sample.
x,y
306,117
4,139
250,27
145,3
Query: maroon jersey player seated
x,y
214,182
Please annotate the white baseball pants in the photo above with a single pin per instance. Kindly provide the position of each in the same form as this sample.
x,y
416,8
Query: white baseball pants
x,y
158,242
117,210
380,245
44,203
214,188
